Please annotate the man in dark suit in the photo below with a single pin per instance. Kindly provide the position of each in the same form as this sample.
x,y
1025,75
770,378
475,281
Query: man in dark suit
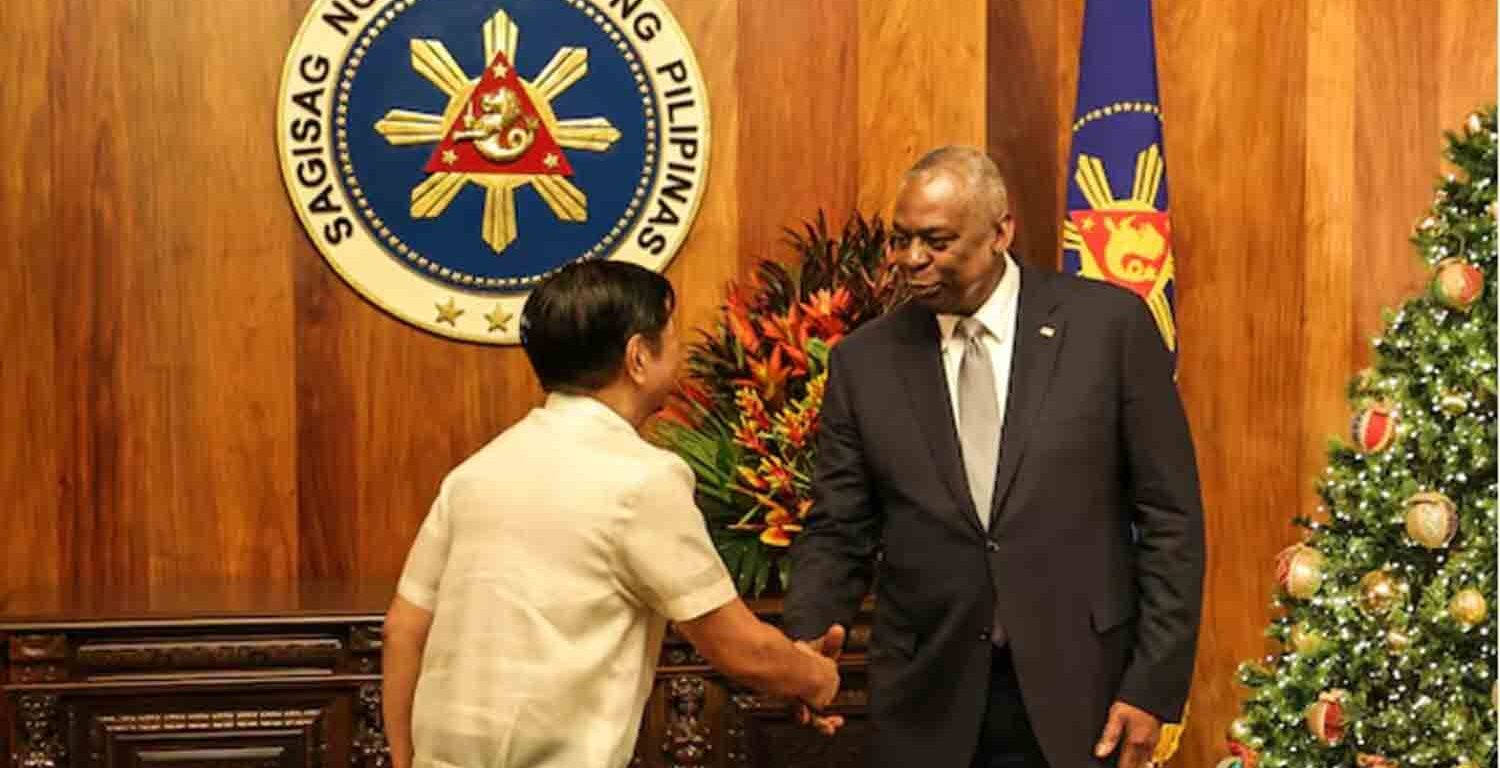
x,y
1007,457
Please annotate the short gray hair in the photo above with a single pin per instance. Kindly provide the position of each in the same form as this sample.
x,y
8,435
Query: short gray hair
x,y
977,169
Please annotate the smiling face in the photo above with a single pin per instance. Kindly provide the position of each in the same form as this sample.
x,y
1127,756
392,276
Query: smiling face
x,y
949,241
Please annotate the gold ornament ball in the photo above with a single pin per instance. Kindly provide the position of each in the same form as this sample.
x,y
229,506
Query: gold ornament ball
x,y
1379,591
1453,404
1306,641
1299,570
1431,519
1468,607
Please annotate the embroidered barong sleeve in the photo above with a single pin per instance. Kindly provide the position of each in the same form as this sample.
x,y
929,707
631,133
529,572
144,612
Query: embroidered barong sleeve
x,y
667,559
428,557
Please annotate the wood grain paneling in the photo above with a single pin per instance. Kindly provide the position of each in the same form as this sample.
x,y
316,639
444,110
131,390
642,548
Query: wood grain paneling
x,y
194,394
1236,166
798,118
921,86
44,372
708,259
1024,108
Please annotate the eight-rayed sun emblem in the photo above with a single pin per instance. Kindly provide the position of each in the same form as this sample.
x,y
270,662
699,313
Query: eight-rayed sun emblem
x,y
498,132
1127,242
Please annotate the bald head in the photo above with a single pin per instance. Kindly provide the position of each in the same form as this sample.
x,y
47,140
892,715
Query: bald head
x,y
980,177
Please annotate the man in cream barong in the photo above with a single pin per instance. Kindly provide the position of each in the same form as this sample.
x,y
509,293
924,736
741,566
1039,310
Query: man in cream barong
x,y
530,614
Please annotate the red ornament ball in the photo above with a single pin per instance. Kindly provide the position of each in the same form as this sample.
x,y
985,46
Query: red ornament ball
x,y
1325,718
1457,284
1374,428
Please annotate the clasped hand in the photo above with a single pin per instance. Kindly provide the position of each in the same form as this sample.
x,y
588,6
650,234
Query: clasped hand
x,y
809,712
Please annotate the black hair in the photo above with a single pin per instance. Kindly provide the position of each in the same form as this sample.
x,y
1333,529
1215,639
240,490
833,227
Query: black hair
x,y
576,323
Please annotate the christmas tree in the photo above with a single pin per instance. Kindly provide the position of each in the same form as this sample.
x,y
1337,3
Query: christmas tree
x,y
1385,615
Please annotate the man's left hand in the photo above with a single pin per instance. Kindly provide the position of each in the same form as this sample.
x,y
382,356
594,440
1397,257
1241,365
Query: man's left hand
x,y
1133,731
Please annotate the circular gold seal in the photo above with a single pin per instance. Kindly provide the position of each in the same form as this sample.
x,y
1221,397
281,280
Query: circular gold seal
x,y
446,156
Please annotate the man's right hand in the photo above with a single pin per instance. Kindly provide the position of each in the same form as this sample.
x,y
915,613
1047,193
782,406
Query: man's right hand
x,y
828,648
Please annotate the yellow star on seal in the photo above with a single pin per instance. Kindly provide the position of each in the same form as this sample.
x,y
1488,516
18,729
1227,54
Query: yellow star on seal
x,y
450,157
499,319
448,313
550,160
501,71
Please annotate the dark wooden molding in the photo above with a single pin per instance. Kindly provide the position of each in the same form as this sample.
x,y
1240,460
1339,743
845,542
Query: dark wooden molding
x,y
215,688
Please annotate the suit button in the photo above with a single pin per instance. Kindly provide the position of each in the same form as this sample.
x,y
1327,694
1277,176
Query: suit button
x,y
984,635
992,545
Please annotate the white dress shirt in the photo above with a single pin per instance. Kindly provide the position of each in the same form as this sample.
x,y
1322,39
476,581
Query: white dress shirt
x,y
998,316
552,560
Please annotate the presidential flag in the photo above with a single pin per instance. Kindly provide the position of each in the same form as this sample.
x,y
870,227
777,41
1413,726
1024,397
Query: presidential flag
x,y
1117,226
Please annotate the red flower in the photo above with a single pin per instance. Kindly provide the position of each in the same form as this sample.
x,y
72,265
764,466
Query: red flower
x,y
737,313
752,408
747,436
780,526
789,333
770,375
676,413
751,478
826,309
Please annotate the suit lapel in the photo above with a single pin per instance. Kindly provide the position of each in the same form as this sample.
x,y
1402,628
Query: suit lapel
x,y
920,361
1032,364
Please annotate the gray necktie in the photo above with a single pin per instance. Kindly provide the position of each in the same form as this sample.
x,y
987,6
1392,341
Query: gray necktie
x,y
978,417
979,429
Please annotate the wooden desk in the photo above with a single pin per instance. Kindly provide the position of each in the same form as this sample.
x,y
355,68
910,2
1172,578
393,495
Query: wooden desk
x,y
242,676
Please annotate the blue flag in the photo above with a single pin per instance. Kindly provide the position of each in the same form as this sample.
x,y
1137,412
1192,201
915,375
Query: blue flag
x,y
1117,227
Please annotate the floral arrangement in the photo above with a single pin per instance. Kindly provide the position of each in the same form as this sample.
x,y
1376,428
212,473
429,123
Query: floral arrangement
x,y
745,416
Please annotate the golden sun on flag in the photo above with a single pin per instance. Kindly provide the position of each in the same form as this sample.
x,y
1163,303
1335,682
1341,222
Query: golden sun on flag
x,y
1126,242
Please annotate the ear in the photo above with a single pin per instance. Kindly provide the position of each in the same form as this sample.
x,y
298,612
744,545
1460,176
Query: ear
x,y
636,357
1005,233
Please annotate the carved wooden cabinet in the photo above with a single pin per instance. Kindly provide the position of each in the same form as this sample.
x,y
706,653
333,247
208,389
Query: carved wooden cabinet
x,y
247,677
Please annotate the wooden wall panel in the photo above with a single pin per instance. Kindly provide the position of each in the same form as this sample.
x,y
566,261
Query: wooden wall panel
x,y
1024,107
1236,152
921,86
42,376
207,325
708,259
798,122
195,394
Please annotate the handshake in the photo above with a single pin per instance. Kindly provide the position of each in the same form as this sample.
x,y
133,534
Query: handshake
x,y
758,655
826,651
